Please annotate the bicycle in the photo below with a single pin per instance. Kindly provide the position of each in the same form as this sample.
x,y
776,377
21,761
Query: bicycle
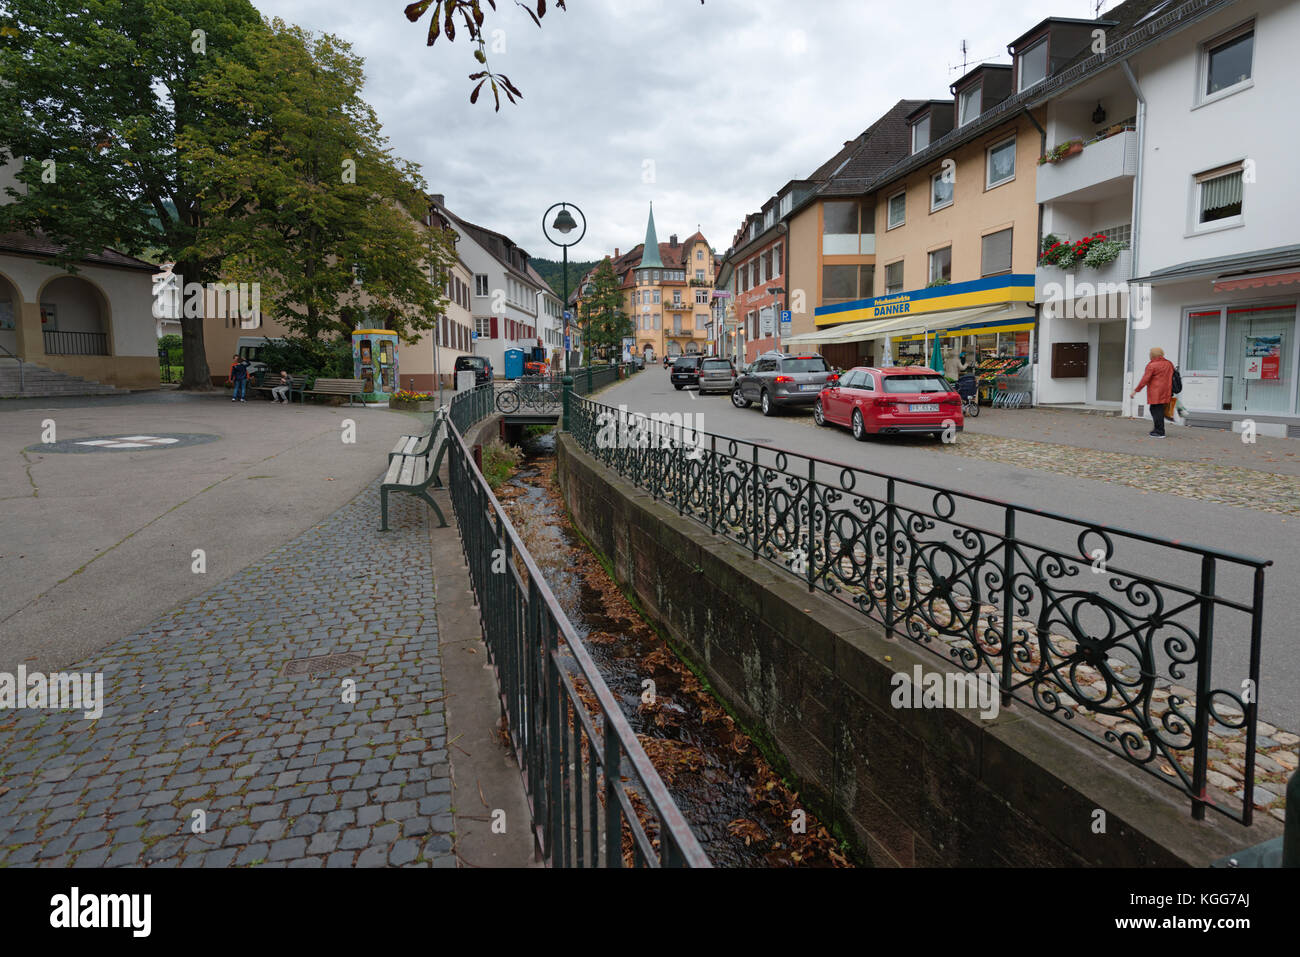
x,y
969,390
527,393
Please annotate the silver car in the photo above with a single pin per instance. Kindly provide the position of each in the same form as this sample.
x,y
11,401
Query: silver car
x,y
717,375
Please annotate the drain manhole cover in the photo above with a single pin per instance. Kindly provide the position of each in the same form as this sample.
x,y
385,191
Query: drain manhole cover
x,y
311,666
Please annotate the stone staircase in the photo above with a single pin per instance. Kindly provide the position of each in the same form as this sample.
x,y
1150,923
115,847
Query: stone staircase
x,y
40,381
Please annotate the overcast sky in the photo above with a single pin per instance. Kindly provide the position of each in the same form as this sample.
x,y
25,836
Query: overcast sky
x,y
719,105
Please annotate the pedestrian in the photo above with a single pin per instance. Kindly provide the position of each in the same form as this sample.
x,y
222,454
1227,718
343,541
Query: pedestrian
x,y
1158,380
239,376
964,365
281,392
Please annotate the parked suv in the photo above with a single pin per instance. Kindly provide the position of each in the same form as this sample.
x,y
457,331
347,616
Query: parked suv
x,y
479,365
686,372
777,380
717,375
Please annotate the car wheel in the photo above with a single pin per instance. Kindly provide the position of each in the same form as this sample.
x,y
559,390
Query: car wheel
x,y
738,399
818,415
678,388
766,404
859,427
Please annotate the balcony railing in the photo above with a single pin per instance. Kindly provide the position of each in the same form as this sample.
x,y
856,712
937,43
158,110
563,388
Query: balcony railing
x,y
60,343
1102,163
1053,284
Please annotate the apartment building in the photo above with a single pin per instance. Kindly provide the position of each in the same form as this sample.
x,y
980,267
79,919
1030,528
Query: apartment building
x,y
667,292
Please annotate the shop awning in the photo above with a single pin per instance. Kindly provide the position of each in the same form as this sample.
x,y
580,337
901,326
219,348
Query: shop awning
x,y
983,320
1256,281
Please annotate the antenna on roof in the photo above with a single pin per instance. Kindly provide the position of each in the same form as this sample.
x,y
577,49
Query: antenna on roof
x,y
964,51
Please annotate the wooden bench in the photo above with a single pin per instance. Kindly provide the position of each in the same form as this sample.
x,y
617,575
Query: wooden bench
x,y
420,444
416,474
296,385
348,387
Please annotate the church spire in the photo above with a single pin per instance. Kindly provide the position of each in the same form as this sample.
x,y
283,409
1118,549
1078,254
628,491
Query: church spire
x,y
650,257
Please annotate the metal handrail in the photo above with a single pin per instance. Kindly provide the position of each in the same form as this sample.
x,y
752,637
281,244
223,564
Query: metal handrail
x,y
22,376
975,588
589,785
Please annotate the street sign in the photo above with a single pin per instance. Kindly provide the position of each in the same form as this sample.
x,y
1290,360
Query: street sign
x,y
473,336
568,346
785,315
786,324
567,316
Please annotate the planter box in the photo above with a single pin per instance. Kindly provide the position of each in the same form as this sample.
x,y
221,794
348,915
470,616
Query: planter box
x,y
429,405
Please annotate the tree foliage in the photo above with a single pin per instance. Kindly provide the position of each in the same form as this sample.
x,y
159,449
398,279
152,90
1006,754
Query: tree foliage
x,y
95,96
325,212
603,321
472,17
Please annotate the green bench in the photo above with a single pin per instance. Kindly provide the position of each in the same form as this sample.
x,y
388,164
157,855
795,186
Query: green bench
x,y
352,388
418,444
416,474
296,385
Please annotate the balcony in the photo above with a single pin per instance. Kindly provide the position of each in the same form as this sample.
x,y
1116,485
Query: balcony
x,y
1082,281
1105,167
679,306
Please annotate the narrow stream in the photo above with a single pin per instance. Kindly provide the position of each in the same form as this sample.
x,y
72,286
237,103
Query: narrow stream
x,y
737,806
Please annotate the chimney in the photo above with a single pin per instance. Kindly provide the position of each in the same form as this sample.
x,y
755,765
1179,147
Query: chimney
x,y
672,240
616,252
439,200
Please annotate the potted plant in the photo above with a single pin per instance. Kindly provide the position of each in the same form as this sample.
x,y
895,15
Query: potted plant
x,y
1056,251
407,401
1102,252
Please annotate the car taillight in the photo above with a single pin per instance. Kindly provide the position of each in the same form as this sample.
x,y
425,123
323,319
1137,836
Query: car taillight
x,y
784,378
886,403
833,380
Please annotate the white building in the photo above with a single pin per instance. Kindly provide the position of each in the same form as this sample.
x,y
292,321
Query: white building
x,y
506,297
1188,160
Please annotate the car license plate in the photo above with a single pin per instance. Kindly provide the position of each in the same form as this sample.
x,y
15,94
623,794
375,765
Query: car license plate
x,y
811,388
924,407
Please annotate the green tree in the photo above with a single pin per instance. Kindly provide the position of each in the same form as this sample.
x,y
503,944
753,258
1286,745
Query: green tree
x,y
603,321
324,223
96,96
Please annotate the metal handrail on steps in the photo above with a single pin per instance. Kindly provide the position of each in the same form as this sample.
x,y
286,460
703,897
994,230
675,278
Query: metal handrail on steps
x,y
22,378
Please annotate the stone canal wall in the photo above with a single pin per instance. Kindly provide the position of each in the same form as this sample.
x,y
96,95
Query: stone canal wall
x,y
813,679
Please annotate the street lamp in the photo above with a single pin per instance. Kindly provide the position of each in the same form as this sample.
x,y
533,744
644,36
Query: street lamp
x,y
564,224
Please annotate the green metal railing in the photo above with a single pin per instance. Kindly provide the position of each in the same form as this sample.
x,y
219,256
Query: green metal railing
x,y
595,798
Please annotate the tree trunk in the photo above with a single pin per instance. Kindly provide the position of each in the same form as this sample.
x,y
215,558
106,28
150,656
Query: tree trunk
x,y
196,377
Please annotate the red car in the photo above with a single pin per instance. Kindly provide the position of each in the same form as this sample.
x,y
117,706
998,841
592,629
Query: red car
x,y
889,401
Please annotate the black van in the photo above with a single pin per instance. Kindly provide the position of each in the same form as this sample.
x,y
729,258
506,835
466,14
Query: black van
x,y
480,366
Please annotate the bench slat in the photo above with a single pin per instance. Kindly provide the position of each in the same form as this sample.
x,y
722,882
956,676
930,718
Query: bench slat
x,y
394,470
408,467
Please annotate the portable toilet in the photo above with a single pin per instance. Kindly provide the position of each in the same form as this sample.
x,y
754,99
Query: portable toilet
x,y
514,363
374,362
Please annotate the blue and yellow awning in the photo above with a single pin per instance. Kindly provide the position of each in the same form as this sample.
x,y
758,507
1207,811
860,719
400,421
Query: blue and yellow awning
x,y
993,291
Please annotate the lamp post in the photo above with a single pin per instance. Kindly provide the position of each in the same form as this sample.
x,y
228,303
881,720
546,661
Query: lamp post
x,y
564,225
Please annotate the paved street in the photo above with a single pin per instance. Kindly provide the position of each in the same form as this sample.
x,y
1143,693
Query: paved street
x,y
203,723
1051,467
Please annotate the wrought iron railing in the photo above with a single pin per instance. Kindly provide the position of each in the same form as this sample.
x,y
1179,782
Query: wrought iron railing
x,y
1122,654
596,800
61,343
542,395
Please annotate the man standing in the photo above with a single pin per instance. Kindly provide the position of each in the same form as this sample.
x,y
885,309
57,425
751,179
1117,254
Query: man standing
x,y
1158,380
239,377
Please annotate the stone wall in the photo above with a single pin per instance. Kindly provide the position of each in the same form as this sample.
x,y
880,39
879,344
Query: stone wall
x,y
813,678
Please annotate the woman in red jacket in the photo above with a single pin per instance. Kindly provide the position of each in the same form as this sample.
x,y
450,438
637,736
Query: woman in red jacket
x,y
1158,380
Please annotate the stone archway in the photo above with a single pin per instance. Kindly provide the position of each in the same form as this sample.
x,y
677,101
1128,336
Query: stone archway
x,y
75,318
11,311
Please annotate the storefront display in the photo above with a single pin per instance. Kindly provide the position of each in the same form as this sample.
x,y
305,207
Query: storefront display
x,y
1241,358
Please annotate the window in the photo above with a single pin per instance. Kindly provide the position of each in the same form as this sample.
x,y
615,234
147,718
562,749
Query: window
x,y
776,261
699,255
657,295
1001,163
921,134
897,210
769,218
941,265
894,278
1226,63
701,298
701,321
969,104
940,191
483,326
1218,196
846,283
787,204
996,253
1031,66
1120,234
699,275
848,228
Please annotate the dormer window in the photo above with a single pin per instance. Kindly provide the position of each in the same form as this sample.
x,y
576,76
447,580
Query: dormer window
x,y
1031,65
969,104
921,134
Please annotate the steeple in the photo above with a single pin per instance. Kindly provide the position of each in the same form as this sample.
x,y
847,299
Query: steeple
x,y
650,257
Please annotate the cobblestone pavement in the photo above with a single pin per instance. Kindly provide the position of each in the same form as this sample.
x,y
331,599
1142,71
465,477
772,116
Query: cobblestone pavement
x,y
198,717
1223,484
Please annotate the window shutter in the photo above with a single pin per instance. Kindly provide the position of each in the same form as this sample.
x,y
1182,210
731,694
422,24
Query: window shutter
x,y
494,327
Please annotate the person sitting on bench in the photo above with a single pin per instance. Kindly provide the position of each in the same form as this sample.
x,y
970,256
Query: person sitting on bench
x,y
281,391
